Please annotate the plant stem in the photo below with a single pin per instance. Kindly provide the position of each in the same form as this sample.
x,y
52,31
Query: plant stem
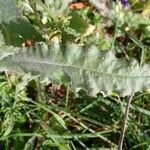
x,y
124,126
8,79
114,38
142,57
67,95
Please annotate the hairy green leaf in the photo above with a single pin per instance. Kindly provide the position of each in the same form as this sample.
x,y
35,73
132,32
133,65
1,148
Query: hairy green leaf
x,y
8,11
82,67
15,28
57,6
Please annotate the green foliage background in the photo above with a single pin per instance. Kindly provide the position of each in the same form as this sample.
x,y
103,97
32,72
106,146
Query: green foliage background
x,y
70,87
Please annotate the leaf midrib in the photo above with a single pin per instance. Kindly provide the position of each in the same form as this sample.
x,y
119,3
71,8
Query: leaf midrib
x,y
79,68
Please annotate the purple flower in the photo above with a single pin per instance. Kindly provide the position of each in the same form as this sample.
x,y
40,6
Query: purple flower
x,y
125,3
